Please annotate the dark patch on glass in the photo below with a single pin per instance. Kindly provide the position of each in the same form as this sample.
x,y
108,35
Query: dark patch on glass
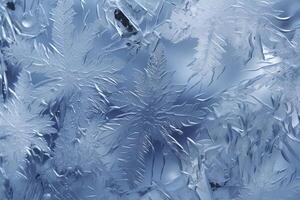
x,y
119,15
11,5
214,186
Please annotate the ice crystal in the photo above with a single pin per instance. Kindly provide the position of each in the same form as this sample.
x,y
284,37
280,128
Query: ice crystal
x,y
64,64
140,100
152,114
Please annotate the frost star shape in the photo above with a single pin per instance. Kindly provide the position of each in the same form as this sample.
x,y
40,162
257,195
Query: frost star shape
x,y
152,113
65,63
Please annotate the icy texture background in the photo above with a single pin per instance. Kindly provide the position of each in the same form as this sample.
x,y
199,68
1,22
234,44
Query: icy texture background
x,y
149,99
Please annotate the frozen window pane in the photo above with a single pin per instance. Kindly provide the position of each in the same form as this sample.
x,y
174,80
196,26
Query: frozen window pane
x,y
140,99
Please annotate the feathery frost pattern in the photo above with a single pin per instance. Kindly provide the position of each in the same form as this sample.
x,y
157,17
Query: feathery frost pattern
x,y
149,100
152,114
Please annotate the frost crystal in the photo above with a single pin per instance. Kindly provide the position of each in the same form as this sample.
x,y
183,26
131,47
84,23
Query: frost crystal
x,y
149,99
152,115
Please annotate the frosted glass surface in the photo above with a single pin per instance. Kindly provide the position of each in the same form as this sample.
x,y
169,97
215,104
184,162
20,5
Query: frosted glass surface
x,y
149,100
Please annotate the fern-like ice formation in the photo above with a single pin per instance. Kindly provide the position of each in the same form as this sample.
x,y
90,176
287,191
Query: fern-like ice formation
x,y
139,100
153,113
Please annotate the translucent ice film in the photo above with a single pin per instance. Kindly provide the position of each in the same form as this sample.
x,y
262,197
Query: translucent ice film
x,y
149,99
